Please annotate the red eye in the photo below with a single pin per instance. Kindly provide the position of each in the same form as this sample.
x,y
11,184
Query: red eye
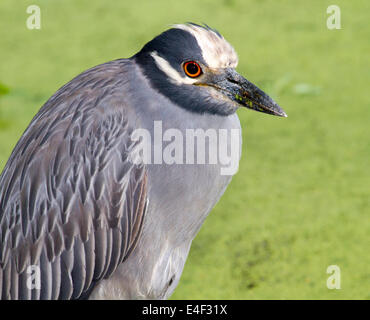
x,y
192,69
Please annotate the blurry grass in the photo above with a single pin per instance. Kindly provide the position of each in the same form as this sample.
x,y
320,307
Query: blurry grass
x,y
300,201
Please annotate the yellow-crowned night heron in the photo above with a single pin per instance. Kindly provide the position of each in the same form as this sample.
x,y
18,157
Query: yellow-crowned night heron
x,y
79,214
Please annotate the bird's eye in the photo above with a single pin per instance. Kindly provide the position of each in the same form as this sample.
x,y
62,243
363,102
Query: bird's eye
x,y
192,69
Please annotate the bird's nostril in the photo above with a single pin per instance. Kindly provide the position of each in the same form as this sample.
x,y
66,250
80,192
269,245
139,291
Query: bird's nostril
x,y
232,80
171,280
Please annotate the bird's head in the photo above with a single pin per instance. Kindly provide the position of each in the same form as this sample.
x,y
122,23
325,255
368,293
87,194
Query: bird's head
x,y
194,66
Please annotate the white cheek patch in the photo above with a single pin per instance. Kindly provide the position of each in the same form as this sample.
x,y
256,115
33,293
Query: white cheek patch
x,y
216,51
172,74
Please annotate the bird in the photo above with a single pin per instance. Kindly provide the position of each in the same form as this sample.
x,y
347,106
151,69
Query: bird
x,y
82,215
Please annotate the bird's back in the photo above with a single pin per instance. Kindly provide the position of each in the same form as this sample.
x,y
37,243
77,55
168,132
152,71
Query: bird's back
x,y
61,191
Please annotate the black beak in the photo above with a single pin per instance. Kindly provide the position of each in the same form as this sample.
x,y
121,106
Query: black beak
x,y
246,94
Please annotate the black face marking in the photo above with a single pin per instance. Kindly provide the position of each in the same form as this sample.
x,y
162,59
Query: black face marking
x,y
177,46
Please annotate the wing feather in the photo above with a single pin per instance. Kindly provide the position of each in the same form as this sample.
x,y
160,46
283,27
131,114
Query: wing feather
x,y
56,279
79,269
71,201
46,277
66,265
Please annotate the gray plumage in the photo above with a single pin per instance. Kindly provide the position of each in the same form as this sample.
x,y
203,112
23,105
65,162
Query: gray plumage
x,y
73,203
67,191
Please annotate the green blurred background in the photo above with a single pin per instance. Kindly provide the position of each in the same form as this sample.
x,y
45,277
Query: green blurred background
x,y
300,201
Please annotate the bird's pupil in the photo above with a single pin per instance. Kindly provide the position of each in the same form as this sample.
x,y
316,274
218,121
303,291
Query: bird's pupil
x,y
192,68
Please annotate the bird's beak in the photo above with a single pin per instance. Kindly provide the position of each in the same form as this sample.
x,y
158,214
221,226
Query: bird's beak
x,y
244,93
